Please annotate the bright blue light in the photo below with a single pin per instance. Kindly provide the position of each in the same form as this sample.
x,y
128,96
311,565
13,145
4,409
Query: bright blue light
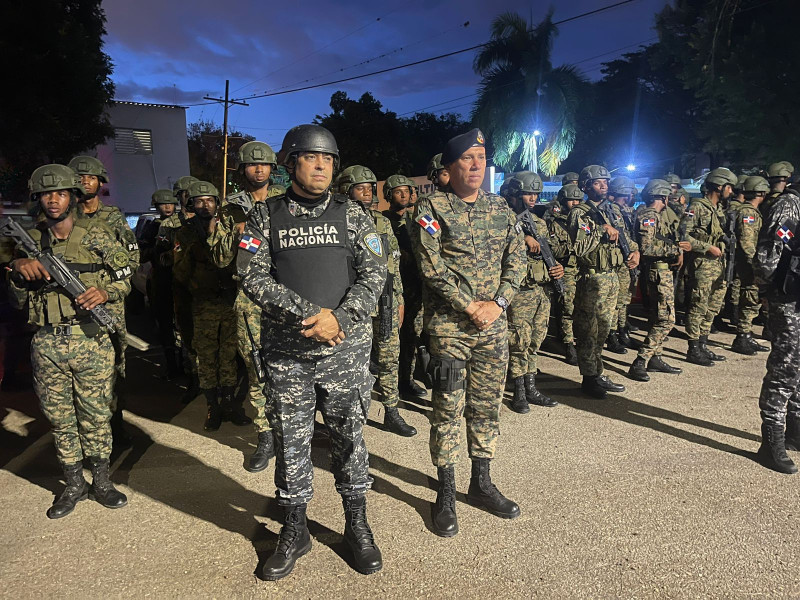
x,y
631,167
536,132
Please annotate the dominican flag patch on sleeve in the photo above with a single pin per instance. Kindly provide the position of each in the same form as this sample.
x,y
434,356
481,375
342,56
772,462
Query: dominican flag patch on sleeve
x,y
586,227
748,220
250,243
429,224
785,233
649,223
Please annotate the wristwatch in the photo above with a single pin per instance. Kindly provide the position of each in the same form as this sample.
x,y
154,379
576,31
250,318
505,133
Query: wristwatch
x,y
501,302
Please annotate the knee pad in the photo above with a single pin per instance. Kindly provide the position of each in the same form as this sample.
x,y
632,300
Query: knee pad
x,y
447,374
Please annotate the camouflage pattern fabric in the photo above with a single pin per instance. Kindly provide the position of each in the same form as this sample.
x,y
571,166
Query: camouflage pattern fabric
x,y
748,225
595,311
562,249
624,297
386,355
528,317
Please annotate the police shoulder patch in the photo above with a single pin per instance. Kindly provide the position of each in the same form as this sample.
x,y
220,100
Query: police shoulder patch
x,y
120,259
373,243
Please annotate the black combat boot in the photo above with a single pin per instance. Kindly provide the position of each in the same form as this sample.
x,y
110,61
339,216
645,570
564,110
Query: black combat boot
x,y
294,542
120,438
626,340
265,450
613,344
366,555
102,489
533,395
638,370
232,409
571,354
409,387
77,489
445,522
609,385
214,415
520,402
772,453
485,494
710,353
656,364
193,391
591,386
741,346
755,345
793,432
696,356
393,422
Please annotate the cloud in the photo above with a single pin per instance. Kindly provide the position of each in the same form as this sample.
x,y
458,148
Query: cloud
x,y
130,90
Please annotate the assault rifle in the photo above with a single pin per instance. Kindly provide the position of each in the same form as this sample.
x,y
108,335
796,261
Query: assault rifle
x,y
730,245
60,273
622,239
242,199
255,353
385,309
544,248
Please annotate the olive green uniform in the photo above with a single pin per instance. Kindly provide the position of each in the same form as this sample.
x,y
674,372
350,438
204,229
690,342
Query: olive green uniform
x,y
562,249
748,225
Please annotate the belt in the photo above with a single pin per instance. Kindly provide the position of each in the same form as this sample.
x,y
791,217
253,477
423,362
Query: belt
x,y
660,265
88,329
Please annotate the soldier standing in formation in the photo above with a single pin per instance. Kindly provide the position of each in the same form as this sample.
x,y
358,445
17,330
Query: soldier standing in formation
x,y
314,264
621,191
778,175
73,357
569,196
471,256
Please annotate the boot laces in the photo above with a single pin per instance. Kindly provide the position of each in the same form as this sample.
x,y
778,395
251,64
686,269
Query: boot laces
x,y
448,493
289,533
357,517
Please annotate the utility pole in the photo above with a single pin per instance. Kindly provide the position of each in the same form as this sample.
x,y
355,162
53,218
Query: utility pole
x,y
227,102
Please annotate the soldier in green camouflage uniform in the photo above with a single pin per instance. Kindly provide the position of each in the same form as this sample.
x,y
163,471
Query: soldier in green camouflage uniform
x,y
93,175
659,250
72,356
360,184
704,223
672,214
529,312
748,225
569,196
471,256
213,295
256,160
594,238
622,192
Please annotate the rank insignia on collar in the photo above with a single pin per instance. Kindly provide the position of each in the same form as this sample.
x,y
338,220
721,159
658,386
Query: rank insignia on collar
x,y
373,242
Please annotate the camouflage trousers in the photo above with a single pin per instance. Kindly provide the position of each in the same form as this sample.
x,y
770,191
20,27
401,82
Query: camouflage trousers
x,y
779,391
747,297
567,304
120,342
661,291
706,295
624,296
595,311
184,323
734,291
528,317
73,376
340,385
410,332
248,319
478,395
386,355
215,341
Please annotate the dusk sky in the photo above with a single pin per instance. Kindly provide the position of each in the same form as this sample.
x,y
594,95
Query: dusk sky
x,y
175,52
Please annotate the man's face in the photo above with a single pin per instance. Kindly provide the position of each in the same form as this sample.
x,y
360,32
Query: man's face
x,y
529,200
659,202
443,178
467,172
257,175
165,210
183,199
778,184
362,192
401,196
572,204
622,200
314,172
598,189
54,204
91,183
205,207
726,191
674,187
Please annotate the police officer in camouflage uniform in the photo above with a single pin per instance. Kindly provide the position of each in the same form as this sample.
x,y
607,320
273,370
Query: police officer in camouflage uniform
x,y
213,293
659,249
569,196
360,184
529,312
72,356
472,259
594,238
704,223
748,225
777,271
256,160
315,265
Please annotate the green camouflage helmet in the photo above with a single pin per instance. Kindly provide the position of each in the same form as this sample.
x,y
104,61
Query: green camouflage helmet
x,y
355,175
592,172
654,188
672,179
780,169
570,177
525,182
622,186
183,184
675,196
720,176
163,196
434,166
88,165
755,185
571,191
49,178
256,153
739,181
395,181
202,188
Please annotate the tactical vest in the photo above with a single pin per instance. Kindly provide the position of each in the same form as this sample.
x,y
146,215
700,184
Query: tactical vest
x,y
714,235
607,255
312,257
537,271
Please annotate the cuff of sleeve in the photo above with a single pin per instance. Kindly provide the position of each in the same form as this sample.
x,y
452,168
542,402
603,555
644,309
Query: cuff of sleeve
x,y
506,291
345,322
461,302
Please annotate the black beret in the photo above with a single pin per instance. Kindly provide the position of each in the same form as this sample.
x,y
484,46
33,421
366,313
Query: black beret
x,y
460,144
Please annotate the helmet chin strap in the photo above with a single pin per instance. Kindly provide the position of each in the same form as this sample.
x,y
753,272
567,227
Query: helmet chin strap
x,y
258,184
88,196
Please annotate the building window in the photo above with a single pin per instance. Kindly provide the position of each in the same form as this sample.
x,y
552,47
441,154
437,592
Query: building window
x,y
133,141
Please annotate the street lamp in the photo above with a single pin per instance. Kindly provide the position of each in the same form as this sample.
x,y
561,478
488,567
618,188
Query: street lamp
x,y
631,167
537,133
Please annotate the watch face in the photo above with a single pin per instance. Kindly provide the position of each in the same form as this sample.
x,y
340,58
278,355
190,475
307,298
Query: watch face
x,y
501,302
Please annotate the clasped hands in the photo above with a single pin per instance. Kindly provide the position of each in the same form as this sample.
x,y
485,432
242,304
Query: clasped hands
x,y
323,327
483,313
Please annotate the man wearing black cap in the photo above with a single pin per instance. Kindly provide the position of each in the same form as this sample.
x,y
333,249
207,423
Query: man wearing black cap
x,y
471,256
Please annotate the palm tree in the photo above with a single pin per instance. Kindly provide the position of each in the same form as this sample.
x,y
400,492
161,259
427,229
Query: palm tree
x,y
525,106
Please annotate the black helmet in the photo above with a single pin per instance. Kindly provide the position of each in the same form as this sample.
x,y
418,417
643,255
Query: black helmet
x,y
308,138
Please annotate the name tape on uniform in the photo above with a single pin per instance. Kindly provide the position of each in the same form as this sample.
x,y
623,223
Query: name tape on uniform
x,y
311,235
